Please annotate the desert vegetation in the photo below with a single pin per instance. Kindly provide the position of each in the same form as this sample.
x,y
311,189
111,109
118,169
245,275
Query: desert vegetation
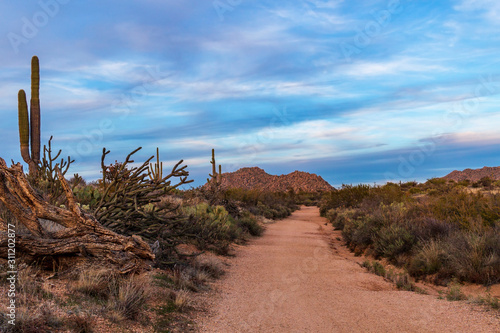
x,y
127,251
124,252
440,231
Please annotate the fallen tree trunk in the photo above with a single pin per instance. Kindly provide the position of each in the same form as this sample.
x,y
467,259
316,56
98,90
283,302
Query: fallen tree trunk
x,y
80,235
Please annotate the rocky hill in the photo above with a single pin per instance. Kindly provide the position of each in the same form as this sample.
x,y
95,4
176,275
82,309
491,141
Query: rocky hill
x,y
256,178
474,174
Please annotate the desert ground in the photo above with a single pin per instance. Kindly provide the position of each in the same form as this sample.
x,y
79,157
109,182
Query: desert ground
x,y
299,278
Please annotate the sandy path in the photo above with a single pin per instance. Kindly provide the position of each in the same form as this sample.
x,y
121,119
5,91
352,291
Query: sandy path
x,y
290,280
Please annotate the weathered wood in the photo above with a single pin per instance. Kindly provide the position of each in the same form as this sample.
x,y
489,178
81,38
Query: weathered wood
x,y
82,233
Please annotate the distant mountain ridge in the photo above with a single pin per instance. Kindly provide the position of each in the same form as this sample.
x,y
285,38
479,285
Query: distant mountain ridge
x,y
474,174
257,178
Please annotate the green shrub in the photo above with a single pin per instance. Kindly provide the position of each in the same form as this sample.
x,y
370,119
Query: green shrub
x,y
360,231
393,240
449,233
249,224
331,215
378,269
467,210
455,293
415,190
464,183
213,226
488,300
268,204
348,196
428,260
436,181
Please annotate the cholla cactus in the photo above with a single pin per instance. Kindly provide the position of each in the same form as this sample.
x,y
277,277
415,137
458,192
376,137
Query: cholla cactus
x,y
155,171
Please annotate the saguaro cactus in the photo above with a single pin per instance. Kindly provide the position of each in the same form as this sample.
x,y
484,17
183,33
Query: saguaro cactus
x,y
216,178
31,125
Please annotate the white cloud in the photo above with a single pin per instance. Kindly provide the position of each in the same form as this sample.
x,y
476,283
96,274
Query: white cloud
x,y
491,8
316,15
392,67
206,90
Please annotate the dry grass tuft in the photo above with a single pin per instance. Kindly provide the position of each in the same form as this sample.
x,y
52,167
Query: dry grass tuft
x,y
212,265
80,323
96,283
182,300
132,296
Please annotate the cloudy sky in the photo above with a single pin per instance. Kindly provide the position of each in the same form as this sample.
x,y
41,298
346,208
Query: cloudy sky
x,y
356,91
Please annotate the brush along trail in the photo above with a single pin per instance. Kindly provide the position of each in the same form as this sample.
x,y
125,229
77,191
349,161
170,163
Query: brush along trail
x,y
298,278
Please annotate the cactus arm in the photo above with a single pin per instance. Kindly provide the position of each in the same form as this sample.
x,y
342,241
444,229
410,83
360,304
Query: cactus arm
x,y
35,109
155,171
24,133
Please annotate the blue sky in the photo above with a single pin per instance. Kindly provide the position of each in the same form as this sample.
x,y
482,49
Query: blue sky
x,y
366,91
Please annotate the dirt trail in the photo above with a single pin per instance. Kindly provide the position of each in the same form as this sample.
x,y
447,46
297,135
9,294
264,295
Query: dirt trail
x,y
291,280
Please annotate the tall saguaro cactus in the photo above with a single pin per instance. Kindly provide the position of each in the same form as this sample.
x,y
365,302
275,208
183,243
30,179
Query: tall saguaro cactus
x,y
35,109
214,190
30,127
216,178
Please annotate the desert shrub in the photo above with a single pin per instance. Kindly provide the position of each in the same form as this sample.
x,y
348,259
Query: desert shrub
x,y
452,234
378,269
192,278
436,181
415,190
212,265
433,192
348,196
305,198
359,232
488,300
213,226
249,224
474,257
389,194
332,214
427,228
393,240
339,217
429,259
268,204
362,195
454,293
464,183
467,210
408,185
485,182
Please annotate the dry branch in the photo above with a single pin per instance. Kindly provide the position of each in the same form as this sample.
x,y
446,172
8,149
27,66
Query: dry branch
x,y
82,233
